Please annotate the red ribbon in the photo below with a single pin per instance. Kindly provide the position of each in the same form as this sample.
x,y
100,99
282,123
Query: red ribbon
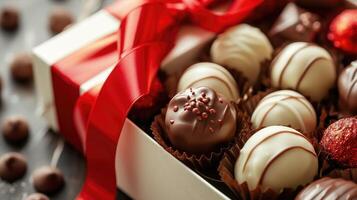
x,y
146,36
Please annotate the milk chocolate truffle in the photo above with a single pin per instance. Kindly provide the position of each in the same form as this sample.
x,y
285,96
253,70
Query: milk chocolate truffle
x,y
12,166
276,157
243,48
198,120
15,130
48,179
210,75
60,18
339,141
306,68
21,68
329,188
9,18
37,196
295,24
285,107
347,88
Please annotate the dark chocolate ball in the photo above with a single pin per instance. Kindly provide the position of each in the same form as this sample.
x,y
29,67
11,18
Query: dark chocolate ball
x,y
12,166
199,119
21,68
37,196
15,130
60,18
9,18
339,142
347,88
48,179
329,188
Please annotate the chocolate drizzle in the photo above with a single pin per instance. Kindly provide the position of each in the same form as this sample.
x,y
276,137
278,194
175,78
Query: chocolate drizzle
x,y
347,88
307,68
198,119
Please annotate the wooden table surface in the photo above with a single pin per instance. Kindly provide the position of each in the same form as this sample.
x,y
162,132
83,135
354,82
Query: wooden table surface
x,y
20,100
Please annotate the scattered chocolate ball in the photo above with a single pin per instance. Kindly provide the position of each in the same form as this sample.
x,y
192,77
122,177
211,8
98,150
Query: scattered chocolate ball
x,y
48,179
295,24
60,18
21,68
339,142
276,157
15,130
9,18
199,119
347,88
12,166
37,196
329,188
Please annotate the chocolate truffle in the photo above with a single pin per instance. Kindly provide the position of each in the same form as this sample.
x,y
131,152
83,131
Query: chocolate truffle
x,y
242,48
21,68
347,87
287,108
60,18
276,157
15,130
306,68
48,179
12,166
9,18
329,188
339,142
210,75
295,24
37,196
199,119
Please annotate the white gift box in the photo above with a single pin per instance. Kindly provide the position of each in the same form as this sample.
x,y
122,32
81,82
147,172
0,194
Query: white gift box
x,y
144,169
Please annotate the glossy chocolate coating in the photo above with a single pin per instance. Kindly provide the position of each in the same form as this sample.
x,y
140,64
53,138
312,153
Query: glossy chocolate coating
x,y
329,189
347,88
12,166
15,130
199,119
37,196
60,18
295,24
9,18
276,157
48,179
21,68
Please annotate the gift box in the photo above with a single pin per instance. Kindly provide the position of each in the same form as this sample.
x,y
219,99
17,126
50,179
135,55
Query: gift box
x,y
74,62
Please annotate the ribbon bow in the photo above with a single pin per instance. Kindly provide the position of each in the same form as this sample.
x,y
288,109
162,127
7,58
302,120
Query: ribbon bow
x,y
146,35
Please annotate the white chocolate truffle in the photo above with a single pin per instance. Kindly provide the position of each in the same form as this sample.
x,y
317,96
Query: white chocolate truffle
x,y
210,75
287,108
306,68
276,157
243,48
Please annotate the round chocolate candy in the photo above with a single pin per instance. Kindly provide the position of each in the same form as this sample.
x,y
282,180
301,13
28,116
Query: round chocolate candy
x,y
12,166
276,157
21,68
60,18
300,66
285,107
242,48
37,196
210,75
9,18
347,88
339,141
15,130
48,179
329,188
198,120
